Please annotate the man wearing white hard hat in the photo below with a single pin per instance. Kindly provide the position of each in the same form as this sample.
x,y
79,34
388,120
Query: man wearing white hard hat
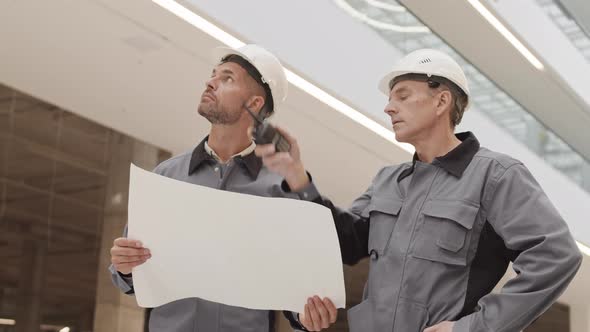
x,y
248,81
442,229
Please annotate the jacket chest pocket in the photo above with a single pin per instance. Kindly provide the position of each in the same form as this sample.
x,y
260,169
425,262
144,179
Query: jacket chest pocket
x,y
446,231
382,213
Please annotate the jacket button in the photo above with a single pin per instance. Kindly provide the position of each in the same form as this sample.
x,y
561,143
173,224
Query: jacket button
x,y
374,254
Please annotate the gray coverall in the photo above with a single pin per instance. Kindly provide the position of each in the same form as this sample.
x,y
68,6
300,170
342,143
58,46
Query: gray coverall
x,y
440,236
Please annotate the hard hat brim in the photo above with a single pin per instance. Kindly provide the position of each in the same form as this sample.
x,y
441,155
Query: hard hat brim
x,y
220,52
384,82
385,89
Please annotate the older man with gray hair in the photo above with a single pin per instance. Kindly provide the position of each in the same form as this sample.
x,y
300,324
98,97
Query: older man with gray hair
x,y
441,230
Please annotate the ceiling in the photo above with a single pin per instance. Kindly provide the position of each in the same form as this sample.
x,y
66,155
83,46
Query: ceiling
x,y
542,93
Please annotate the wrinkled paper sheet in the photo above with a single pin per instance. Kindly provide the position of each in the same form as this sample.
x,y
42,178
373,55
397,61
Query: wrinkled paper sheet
x,y
236,249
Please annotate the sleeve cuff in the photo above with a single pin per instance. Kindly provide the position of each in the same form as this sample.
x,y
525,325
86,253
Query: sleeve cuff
x,y
293,319
122,281
307,193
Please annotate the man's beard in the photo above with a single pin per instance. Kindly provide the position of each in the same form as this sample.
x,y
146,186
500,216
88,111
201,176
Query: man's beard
x,y
217,115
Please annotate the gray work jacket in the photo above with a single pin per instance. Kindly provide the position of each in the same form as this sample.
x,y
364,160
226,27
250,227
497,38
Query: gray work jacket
x,y
441,235
243,175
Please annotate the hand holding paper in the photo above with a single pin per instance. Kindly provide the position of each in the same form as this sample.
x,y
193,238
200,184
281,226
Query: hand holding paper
x,y
318,314
127,254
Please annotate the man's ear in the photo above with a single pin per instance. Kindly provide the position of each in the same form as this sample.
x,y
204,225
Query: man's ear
x,y
255,103
444,102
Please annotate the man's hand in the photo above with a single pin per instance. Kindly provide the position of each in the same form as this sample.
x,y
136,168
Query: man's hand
x,y
286,164
318,314
441,327
127,254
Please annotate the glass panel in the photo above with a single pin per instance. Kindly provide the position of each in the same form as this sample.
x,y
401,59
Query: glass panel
x,y
51,216
570,28
54,170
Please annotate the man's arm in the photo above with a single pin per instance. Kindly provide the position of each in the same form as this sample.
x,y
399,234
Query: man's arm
x,y
351,226
317,315
125,255
521,213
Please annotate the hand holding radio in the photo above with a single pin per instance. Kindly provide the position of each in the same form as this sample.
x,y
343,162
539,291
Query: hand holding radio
x,y
265,133
279,152
287,164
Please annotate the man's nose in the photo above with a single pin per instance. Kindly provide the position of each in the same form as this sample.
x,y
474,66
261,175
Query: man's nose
x,y
390,109
211,84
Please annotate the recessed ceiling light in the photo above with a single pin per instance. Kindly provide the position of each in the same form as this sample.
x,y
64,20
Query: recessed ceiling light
x,y
483,11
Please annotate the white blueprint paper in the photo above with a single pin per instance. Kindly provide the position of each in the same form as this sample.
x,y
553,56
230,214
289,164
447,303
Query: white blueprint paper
x,y
236,249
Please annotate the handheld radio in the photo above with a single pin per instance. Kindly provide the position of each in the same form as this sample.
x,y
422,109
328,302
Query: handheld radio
x,y
265,133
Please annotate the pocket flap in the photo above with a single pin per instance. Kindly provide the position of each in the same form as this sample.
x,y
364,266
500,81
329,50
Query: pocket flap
x,y
383,204
460,212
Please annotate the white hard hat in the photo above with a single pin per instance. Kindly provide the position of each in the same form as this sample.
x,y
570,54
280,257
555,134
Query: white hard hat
x,y
269,67
430,63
